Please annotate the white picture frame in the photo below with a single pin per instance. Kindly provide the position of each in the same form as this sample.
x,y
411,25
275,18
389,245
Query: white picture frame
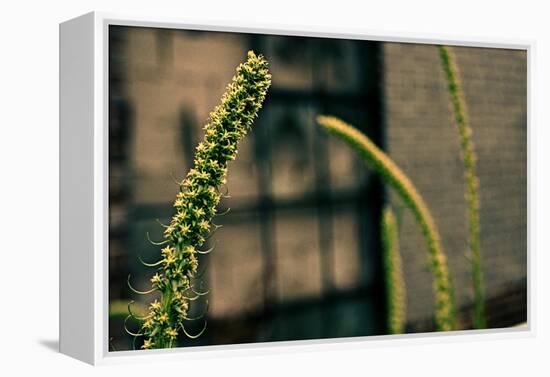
x,y
84,191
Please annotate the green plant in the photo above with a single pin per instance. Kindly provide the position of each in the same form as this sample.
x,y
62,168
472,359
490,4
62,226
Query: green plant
x,y
196,203
469,158
395,284
381,163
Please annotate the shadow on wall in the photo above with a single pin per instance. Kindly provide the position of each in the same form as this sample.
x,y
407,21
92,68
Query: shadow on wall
x,y
300,246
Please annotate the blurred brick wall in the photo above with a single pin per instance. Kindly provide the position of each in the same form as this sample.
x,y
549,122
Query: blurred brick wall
x,y
173,79
169,89
422,137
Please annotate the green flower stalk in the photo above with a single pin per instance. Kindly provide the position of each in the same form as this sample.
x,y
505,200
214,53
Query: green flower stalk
x,y
445,315
395,284
469,158
196,203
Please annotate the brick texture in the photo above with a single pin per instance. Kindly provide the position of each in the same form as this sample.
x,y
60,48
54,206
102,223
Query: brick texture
x,y
422,138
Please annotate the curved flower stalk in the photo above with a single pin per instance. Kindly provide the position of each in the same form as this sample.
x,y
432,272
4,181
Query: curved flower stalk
x,y
395,284
196,203
445,315
469,158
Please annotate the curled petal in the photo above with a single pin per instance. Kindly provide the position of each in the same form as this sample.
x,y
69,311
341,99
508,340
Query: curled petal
x,y
223,213
209,250
200,315
193,336
139,292
161,223
156,243
132,313
150,264
216,227
193,298
200,293
128,331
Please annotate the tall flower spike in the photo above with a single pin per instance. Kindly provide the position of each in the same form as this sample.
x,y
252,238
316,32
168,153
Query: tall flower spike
x,y
469,158
196,202
381,163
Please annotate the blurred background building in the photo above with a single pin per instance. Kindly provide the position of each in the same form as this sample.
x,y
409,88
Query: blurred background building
x,y
298,256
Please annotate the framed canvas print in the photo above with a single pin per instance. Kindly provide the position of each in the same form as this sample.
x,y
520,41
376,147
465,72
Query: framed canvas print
x,y
225,187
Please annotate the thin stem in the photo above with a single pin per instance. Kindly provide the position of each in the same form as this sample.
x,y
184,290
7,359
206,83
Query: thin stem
x,y
469,158
395,284
445,315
